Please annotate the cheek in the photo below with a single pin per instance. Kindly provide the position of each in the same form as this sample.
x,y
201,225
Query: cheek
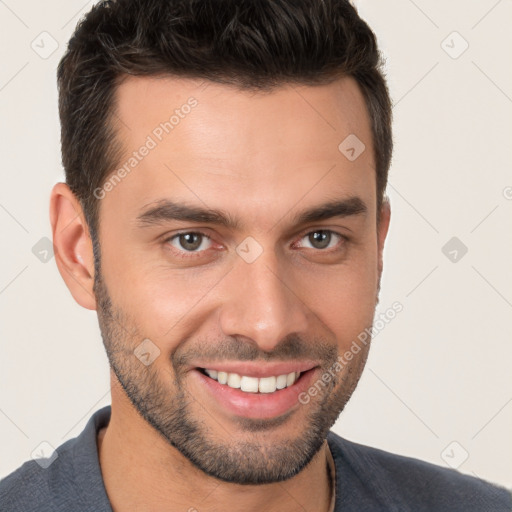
x,y
345,299
165,303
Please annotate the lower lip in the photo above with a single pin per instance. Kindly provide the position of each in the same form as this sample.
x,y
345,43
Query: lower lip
x,y
256,405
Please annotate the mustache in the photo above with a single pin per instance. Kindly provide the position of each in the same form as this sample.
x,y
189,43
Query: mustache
x,y
239,348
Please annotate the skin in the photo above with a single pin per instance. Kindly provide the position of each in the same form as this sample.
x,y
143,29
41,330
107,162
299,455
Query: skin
x,y
262,158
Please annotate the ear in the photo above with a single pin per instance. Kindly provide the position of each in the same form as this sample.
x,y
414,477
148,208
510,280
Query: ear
x,y
382,230
72,245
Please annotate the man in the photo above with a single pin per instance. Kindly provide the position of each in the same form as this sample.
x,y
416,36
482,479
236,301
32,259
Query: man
x,y
224,212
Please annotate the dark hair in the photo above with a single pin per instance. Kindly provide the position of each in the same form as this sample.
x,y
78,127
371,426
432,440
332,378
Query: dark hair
x,y
252,45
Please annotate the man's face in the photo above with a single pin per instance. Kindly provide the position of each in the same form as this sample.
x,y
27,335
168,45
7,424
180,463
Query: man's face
x,y
266,294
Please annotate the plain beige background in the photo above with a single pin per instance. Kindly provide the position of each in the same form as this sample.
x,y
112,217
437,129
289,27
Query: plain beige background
x,y
438,384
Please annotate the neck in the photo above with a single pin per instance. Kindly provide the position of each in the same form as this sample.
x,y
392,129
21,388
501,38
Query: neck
x,y
142,471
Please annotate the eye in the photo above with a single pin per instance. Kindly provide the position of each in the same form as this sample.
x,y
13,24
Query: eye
x,y
322,239
190,241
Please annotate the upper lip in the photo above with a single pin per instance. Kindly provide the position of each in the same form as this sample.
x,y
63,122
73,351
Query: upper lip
x,y
259,370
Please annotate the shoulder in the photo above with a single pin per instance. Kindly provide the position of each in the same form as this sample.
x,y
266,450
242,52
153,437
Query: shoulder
x,y
32,486
70,479
407,482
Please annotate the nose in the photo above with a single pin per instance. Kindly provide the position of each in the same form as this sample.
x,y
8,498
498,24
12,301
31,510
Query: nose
x,y
262,301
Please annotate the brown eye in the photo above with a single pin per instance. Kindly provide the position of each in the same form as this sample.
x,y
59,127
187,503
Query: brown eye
x,y
189,242
323,241
320,239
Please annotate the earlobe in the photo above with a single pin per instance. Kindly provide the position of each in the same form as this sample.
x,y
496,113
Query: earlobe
x,y
72,245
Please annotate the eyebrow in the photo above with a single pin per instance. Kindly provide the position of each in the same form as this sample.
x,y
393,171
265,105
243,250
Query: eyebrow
x,y
166,210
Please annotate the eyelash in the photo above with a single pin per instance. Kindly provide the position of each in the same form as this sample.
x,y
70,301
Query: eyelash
x,y
193,254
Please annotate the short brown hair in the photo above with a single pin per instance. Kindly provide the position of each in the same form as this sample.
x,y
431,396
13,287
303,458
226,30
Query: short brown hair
x,y
252,45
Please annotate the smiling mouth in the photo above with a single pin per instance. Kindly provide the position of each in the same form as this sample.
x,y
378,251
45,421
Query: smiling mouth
x,y
248,384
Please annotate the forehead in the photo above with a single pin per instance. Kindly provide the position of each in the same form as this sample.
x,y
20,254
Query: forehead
x,y
210,142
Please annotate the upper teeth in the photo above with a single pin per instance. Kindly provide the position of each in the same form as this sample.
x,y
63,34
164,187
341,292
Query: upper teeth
x,y
253,384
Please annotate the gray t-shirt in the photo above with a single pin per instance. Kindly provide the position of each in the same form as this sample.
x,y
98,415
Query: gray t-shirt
x,y
367,480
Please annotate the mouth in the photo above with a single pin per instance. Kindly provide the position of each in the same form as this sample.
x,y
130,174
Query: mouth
x,y
255,392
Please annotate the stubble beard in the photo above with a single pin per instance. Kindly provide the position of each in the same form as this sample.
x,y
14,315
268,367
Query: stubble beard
x,y
162,399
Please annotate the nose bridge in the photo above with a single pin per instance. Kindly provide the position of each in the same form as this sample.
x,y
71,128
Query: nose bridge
x,y
260,304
